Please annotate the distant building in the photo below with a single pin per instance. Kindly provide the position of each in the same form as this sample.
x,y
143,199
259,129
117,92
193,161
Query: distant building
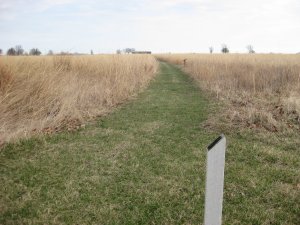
x,y
141,52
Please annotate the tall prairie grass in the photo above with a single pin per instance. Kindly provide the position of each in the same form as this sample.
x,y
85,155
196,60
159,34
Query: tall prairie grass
x,y
262,90
49,93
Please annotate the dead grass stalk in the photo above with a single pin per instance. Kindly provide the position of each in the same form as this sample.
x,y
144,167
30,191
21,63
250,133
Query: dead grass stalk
x,y
49,93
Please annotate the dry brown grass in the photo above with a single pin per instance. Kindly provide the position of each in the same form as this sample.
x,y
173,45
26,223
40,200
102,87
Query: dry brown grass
x,y
261,90
50,93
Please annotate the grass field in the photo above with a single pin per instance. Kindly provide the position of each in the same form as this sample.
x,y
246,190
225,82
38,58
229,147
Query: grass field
x,y
145,164
260,90
41,94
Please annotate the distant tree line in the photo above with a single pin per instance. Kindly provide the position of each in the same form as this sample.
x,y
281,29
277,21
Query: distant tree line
x,y
225,49
18,50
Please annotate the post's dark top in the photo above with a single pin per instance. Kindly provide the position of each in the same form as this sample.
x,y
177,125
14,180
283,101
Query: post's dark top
x,y
215,142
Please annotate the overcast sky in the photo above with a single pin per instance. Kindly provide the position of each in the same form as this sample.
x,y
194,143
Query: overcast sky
x,y
156,25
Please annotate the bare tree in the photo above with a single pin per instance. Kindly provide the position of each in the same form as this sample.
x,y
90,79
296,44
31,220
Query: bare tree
x,y
92,53
211,49
250,49
19,50
118,51
35,51
11,51
1,51
224,49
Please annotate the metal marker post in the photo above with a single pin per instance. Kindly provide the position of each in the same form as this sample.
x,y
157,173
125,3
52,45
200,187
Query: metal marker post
x,y
215,181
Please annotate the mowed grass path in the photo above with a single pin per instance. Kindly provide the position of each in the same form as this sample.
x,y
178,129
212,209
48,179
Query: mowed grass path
x,y
145,164
141,164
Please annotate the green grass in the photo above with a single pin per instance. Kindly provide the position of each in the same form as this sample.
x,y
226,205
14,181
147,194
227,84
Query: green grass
x,y
145,164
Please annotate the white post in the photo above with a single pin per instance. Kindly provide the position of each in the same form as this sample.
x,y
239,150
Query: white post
x,y
215,181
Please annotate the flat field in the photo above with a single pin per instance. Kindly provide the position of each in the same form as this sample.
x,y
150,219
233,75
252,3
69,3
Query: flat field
x,y
52,93
144,162
259,90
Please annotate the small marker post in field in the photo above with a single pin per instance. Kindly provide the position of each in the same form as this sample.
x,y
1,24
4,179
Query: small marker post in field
x,y
214,181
